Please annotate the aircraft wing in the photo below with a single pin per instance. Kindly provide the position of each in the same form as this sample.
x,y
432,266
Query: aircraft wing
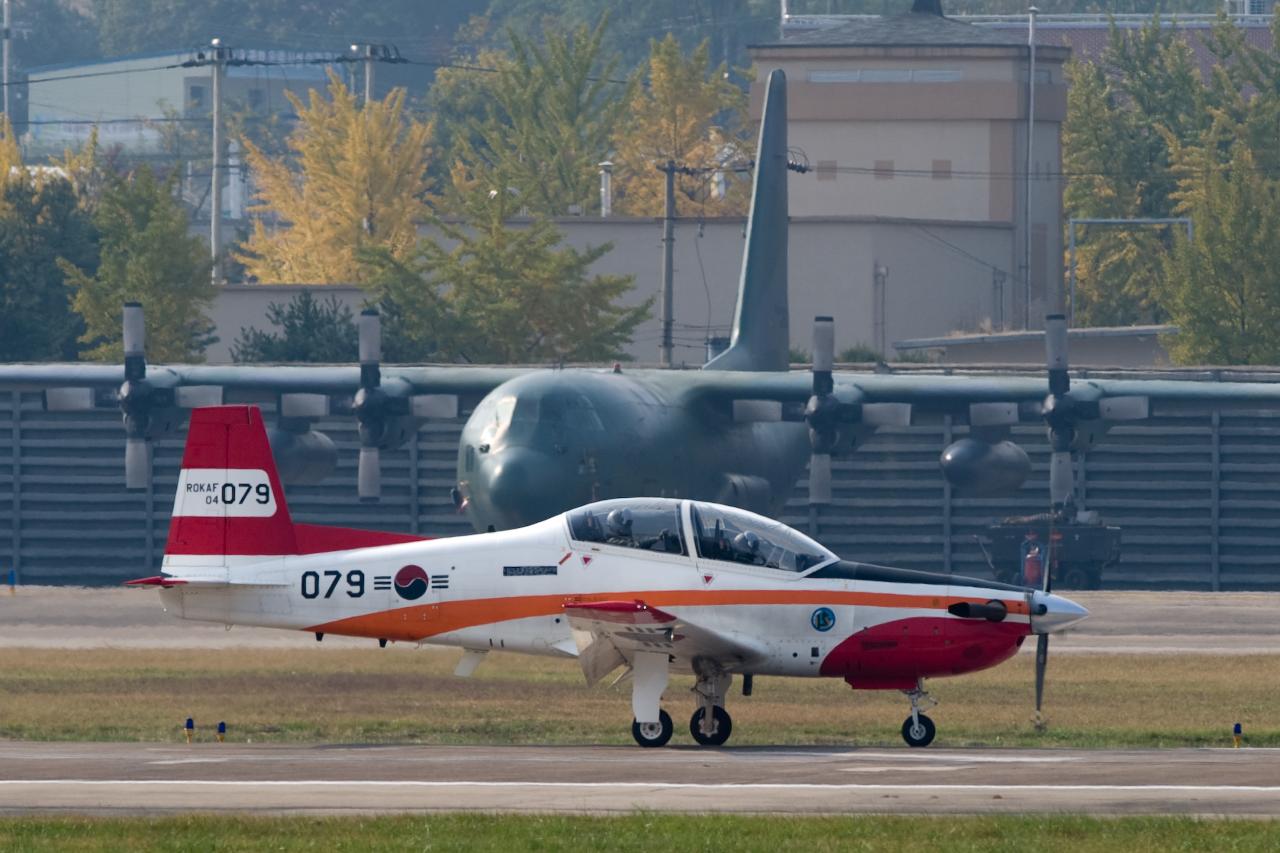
x,y
256,382
610,632
900,396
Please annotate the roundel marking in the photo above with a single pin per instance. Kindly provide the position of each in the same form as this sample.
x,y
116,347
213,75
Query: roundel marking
x,y
411,583
823,619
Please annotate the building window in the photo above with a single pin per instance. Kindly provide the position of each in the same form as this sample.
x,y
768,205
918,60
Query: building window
x,y
942,170
884,170
256,100
195,97
826,170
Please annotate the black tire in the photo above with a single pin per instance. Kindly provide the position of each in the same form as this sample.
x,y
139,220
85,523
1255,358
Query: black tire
x,y
723,727
653,734
921,735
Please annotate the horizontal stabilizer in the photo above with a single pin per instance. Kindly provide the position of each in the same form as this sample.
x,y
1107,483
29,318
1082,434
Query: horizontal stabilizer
x,y
167,581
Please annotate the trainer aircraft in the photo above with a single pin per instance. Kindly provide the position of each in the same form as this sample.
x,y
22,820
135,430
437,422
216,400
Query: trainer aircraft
x,y
655,585
739,431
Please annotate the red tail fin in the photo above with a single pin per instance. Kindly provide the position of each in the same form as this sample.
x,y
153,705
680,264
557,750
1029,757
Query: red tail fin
x,y
229,500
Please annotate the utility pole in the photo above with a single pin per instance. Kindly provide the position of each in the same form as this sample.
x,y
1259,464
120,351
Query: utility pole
x,y
219,64
1031,127
668,259
369,54
366,52
8,35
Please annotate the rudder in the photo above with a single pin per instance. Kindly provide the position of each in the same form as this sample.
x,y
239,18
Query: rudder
x,y
229,501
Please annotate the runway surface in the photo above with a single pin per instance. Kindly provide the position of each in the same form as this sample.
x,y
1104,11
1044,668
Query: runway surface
x,y
143,779
1128,622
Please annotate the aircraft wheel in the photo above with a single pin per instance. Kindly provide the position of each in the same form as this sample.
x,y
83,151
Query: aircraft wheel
x,y
653,734
918,734
722,723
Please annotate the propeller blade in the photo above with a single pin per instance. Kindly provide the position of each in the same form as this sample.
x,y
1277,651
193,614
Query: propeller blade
x,y
68,399
1124,408
820,478
135,330
1061,478
137,463
370,335
1055,349
824,349
369,474
1042,662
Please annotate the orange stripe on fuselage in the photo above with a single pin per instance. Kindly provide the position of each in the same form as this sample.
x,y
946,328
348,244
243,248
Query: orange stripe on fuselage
x,y
420,621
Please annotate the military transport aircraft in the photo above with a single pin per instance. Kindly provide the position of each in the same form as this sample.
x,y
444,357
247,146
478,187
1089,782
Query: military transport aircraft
x,y
653,584
739,431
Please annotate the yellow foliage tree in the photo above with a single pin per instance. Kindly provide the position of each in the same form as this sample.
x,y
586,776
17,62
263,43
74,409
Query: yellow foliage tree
x,y
356,178
675,118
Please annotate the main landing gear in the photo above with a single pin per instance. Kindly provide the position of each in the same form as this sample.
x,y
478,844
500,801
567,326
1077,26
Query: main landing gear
x,y
653,734
918,730
710,724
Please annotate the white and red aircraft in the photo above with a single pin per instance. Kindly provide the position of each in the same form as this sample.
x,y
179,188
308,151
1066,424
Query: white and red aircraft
x,y
653,584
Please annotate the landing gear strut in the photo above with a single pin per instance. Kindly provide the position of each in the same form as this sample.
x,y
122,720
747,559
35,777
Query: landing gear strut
x,y
711,725
918,730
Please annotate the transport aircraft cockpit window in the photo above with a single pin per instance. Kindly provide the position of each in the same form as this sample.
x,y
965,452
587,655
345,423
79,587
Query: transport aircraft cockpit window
x,y
739,537
647,525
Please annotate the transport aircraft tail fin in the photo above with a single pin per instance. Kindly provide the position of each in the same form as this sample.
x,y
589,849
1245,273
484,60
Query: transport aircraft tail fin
x,y
761,334
230,509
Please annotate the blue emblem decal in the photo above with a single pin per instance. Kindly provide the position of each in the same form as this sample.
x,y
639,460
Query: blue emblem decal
x,y
823,619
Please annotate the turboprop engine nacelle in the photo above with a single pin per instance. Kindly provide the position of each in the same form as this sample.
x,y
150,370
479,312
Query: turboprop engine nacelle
x,y
303,458
981,469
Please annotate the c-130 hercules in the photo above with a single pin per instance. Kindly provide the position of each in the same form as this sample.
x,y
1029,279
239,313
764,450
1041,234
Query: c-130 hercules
x,y
739,431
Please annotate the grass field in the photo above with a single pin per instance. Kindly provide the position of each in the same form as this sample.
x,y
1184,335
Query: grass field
x,y
638,832
326,694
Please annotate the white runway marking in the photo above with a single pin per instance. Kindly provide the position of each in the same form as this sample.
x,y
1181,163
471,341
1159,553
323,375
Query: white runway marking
x,y
173,761
942,758
720,786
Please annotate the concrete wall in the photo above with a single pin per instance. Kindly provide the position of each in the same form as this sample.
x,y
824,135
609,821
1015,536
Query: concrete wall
x,y
940,279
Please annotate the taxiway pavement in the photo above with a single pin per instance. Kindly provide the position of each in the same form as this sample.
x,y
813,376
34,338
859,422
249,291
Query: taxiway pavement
x,y
147,779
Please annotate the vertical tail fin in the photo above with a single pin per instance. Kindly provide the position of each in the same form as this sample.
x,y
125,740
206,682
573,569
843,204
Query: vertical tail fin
x,y
761,338
229,501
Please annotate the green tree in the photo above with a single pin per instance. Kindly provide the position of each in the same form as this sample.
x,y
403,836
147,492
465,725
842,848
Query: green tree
x,y
357,179
311,330
146,255
39,225
1121,113
689,113
551,112
486,292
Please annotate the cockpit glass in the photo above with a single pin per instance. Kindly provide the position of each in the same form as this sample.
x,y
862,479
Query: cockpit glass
x,y
740,537
511,414
629,523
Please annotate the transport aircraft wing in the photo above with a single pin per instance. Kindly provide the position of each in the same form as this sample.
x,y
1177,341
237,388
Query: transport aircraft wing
x,y
610,633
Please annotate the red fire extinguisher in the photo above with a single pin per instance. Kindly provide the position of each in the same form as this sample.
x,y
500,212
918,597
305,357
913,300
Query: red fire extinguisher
x,y
1032,562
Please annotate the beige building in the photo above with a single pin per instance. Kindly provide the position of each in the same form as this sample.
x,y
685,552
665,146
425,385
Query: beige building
x,y
922,119
911,223
137,102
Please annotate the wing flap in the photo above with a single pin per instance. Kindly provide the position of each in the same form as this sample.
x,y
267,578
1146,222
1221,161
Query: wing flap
x,y
610,633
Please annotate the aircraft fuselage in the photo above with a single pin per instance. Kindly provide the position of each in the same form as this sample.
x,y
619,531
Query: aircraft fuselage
x,y
552,440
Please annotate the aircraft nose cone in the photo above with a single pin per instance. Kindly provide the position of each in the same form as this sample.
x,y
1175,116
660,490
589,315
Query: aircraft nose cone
x,y
1053,613
515,487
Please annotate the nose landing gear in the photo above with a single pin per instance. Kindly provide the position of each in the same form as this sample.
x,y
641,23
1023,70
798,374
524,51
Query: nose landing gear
x,y
918,729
